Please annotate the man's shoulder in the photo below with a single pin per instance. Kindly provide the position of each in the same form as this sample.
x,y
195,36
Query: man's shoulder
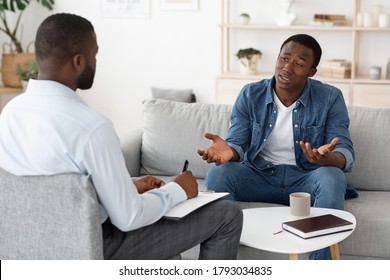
x,y
321,86
257,89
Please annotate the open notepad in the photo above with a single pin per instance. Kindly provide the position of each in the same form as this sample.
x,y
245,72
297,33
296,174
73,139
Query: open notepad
x,y
186,207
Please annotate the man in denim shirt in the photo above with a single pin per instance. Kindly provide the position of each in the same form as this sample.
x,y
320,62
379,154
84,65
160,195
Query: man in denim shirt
x,y
288,134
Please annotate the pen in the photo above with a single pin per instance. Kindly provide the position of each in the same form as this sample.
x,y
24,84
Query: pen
x,y
185,166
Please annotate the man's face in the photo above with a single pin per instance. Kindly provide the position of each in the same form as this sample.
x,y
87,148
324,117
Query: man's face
x,y
85,80
293,67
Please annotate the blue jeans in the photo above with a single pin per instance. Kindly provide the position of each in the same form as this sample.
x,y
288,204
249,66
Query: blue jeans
x,y
326,185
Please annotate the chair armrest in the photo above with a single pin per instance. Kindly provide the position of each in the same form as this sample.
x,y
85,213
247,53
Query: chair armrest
x,y
131,148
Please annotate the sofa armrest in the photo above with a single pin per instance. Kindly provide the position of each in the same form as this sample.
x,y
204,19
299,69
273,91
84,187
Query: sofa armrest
x,y
131,148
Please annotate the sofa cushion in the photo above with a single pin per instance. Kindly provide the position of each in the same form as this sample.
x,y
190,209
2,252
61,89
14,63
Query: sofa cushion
x,y
179,95
185,123
49,217
371,236
370,135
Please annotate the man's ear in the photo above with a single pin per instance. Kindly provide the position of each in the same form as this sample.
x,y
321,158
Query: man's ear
x,y
312,72
79,62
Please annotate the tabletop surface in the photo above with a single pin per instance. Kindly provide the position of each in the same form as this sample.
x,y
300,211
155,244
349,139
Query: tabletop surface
x,y
262,229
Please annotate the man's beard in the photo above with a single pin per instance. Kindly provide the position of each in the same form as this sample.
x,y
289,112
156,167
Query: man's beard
x,y
85,81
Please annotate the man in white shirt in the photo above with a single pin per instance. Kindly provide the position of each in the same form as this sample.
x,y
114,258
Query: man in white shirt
x,y
50,130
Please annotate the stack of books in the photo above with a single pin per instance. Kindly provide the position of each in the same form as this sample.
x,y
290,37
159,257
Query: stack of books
x,y
336,68
329,20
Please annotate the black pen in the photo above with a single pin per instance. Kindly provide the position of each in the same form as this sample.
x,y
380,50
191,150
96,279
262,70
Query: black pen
x,y
185,166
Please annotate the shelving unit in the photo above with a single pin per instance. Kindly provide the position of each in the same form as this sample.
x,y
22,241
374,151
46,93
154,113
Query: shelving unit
x,y
358,90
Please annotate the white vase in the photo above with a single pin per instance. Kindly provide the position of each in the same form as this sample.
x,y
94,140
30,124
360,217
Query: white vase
x,y
249,66
286,18
24,84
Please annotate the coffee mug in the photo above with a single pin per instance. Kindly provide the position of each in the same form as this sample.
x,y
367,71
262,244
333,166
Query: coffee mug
x,y
375,72
300,204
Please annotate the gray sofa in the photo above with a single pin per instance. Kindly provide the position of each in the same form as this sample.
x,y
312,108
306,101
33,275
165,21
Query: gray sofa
x,y
173,131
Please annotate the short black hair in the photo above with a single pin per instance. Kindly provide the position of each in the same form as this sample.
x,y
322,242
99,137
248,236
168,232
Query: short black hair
x,y
309,42
61,35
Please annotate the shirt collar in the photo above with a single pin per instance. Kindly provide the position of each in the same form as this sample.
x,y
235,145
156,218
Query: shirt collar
x,y
302,99
51,88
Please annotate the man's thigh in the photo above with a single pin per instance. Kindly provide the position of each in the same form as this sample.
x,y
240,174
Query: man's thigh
x,y
244,183
168,238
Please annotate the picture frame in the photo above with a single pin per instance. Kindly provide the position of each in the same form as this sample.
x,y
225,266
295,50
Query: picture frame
x,y
179,5
125,9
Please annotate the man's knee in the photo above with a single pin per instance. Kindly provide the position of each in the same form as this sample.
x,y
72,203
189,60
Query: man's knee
x,y
330,175
217,178
231,211
331,185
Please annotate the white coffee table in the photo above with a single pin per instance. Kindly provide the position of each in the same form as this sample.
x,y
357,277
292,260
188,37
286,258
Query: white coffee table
x,y
262,230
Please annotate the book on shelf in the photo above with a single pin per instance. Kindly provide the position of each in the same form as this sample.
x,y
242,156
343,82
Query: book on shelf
x,y
188,206
317,226
329,17
330,20
336,68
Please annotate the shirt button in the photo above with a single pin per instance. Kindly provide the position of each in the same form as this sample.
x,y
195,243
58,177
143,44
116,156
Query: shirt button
x,y
295,125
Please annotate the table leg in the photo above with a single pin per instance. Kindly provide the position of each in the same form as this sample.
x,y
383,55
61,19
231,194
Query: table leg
x,y
293,256
334,251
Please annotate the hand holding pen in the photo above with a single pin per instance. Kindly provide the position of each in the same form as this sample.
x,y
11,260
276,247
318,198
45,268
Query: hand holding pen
x,y
187,181
185,167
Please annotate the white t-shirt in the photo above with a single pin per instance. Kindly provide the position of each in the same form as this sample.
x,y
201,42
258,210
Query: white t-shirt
x,y
279,148
50,130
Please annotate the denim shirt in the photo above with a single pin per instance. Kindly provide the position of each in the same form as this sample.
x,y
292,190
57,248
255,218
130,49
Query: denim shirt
x,y
320,114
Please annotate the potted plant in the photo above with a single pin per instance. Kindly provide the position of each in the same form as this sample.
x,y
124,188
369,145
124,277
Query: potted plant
x,y
248,59
16,53
27,73
244,18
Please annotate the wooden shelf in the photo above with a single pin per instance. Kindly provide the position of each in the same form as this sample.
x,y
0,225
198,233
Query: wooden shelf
x,y
10,90
277,27
262,75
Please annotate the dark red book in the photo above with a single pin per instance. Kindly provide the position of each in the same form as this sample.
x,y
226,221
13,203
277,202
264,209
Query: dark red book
x,y
317,226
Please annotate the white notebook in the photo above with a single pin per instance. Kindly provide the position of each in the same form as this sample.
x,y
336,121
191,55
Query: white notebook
x,y
186,207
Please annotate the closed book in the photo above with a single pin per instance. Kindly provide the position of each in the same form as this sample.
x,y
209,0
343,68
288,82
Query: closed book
x,y
317,226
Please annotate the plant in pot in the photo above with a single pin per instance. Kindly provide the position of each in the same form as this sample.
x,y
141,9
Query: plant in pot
x,y
248,60
16,53
27,73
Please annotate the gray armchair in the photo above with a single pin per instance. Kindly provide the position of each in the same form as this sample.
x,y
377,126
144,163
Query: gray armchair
x,y
49,217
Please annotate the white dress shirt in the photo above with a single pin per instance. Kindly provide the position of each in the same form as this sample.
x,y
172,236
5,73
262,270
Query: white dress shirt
x,y
50,130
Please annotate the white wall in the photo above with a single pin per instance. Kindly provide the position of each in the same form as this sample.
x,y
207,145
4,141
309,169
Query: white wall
x,y
173,49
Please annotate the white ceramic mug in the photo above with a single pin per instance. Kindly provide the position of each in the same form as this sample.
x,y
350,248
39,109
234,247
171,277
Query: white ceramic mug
x,y
375,72
300,204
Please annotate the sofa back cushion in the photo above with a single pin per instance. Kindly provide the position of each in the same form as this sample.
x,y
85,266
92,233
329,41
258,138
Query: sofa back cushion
x,y
173,132
49,217
370,133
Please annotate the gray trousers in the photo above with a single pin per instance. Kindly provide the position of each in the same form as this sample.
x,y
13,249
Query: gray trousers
x,y
216,227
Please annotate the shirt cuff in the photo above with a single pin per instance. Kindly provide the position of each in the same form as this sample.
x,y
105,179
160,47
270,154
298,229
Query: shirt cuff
x,y
238,149
348,158
176,192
